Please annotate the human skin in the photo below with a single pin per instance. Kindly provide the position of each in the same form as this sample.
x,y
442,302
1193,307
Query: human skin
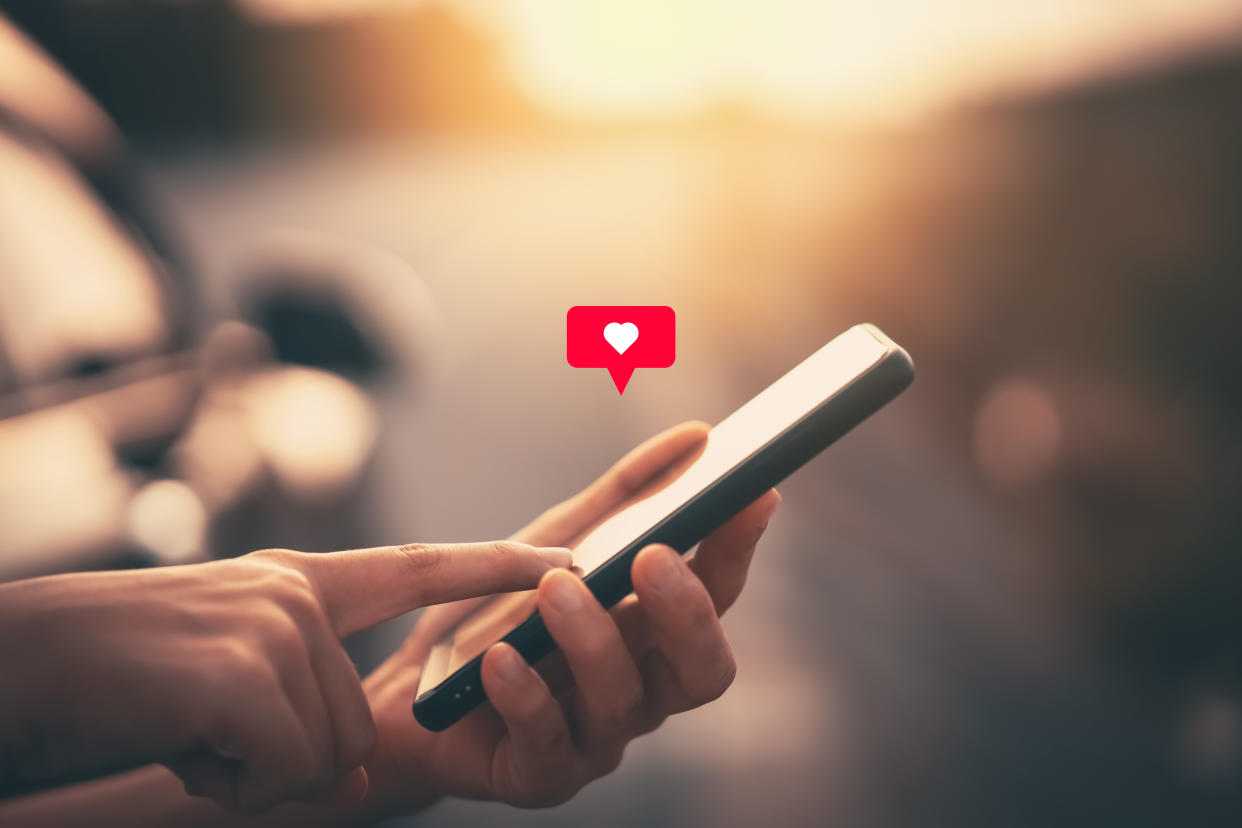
x,y
230,673
546,732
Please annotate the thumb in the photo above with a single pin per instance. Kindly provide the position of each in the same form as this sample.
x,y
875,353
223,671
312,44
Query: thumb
x,y
362,587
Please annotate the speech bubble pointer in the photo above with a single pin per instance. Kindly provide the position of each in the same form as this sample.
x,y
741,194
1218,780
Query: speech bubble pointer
x,y
620,376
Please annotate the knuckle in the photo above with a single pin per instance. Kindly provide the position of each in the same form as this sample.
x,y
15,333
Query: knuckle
x,y
277,560
528,713
287,579
285,582
613,760
617,712
271,555
359,746
240,658
613,718
298,596
591,652
593,647
550,742
422,559
701,612
500,549
607,761
633,699
715,687
281,634
255,672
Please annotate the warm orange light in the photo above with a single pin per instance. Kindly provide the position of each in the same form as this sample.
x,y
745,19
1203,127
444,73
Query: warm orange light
x,y
882,58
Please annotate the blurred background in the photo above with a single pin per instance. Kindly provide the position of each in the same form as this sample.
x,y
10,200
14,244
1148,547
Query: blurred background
x,y
294,273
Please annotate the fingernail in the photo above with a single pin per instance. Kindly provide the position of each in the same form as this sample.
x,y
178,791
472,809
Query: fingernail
x,y
564,594
509,664
663,570
557,556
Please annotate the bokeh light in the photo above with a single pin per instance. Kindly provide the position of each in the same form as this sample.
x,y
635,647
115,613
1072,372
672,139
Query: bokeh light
x,y
886,60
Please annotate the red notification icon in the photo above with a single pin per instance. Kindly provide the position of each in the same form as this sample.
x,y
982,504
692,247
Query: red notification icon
x,y
621,338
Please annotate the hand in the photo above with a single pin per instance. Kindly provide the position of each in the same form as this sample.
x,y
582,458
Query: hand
x,y
618,674
231,673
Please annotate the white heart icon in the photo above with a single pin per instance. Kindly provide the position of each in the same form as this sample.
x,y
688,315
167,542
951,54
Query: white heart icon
x,y
621,335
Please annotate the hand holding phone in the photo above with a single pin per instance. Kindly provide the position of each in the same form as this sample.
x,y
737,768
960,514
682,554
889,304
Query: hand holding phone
x,y
746,454
543,737
548,731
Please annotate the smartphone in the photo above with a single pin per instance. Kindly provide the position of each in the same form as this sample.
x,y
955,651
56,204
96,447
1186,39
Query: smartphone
x,y
747,453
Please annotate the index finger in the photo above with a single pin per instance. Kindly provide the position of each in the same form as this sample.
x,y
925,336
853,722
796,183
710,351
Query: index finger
x,y
362,587
570,519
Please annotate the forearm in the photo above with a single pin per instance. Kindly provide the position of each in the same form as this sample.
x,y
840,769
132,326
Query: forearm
x,y
148,796
152,796
43,735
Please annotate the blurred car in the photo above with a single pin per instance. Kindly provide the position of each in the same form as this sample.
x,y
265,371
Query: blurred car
x,y
135,426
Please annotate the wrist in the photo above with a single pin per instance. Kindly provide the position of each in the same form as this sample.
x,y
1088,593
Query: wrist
x,y
395,787
400,781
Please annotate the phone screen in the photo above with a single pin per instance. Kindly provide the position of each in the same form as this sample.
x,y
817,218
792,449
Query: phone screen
x,y
743,433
